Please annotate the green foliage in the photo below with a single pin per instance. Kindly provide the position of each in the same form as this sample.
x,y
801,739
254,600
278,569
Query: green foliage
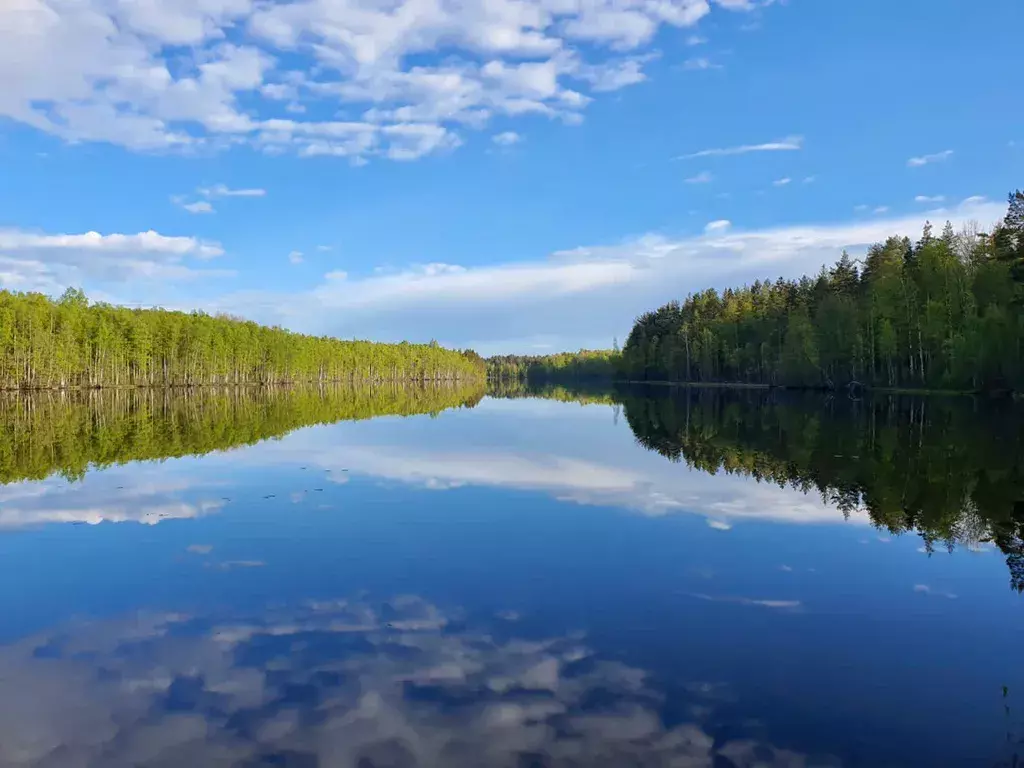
x,y
945,313
70,432
587,364
948,468
515,389
47,344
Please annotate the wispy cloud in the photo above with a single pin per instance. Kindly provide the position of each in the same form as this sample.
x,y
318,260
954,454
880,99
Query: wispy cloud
x,y
786,605
700,63
199,206
212,193
810,179
788,144
221,190
704,177
924,589
929,199
881,209
782,182
295,257
937,157
717,227
694,40
506,139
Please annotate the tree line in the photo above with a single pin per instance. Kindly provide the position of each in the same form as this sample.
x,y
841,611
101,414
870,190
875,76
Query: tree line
x,y
944,312
585,365
69,342
588,392
71,432
950,469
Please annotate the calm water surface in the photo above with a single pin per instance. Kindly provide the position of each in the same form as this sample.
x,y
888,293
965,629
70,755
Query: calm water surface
x,y
635,578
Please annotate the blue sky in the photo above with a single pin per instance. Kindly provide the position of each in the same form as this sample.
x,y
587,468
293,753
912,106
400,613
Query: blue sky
x,y
514,175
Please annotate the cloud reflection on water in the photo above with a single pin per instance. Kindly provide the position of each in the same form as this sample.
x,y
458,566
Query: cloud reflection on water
x,y
583,458
342,683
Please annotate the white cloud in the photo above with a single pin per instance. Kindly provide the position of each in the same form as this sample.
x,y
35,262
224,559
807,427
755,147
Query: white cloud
x,y
222,190
31,261
782,182
143,242
199,206
788,144
206,74
719,525
738,5
700,63
716,227
613,75
295,257
704,177
810,179
693,40
938,157
881,209
506,138
929,199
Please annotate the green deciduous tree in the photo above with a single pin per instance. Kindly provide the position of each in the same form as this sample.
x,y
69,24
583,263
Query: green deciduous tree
x,y
70,343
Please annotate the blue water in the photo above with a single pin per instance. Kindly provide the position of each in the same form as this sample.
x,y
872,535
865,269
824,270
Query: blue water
x,y
519,584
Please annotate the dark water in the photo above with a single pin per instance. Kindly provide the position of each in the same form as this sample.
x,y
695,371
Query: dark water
x,y
427,578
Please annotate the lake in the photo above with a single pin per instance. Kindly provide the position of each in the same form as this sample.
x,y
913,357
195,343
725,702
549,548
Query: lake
x,y
432,576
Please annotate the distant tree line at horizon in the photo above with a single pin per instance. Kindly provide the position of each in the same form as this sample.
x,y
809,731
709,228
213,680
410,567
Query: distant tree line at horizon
x,y
946,312
584,365
68,433
68,342
585,392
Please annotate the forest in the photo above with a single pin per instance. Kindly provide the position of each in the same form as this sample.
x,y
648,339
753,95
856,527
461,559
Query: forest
x,y
585,365
67,433
70,342
949,468
944,312
587,392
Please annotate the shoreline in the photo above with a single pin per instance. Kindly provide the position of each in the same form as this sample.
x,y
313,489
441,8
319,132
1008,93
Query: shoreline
x,y
741,385
238,385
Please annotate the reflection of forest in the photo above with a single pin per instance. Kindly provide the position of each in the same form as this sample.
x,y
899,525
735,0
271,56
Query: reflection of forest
x,y
951,469
69,432
585,394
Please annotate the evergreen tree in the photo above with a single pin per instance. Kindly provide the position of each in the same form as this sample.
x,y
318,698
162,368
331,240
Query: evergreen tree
x,y
946,313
